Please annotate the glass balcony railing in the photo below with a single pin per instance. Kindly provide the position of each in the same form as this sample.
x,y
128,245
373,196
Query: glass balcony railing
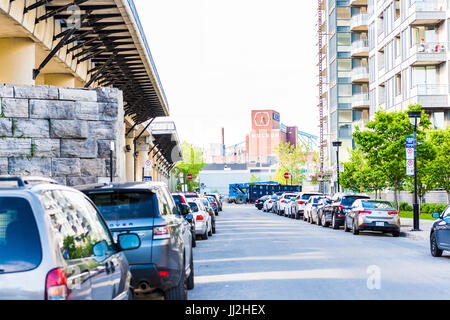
x,y
428,5
425,89
360,74
359,21
431,47
360,100
360,46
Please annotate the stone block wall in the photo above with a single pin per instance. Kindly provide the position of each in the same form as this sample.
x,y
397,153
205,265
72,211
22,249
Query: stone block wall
x,y
60,133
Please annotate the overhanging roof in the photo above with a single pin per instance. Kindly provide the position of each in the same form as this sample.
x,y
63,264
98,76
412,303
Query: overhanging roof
x,y
111,36
166,139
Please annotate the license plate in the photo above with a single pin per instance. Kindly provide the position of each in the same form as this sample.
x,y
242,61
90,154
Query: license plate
x,y
379,224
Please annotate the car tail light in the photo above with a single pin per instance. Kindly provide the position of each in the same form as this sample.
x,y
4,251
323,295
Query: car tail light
x,y
210,212
341,207
199,217
56,285
214,204
392,213
270,201
364,212
283,201
164,273
161,233
301,202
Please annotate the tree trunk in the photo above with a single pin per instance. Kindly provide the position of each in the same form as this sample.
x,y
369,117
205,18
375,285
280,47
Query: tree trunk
x,y
448,196
395,198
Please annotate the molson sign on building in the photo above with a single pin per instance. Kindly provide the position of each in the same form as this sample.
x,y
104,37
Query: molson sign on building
x,y
265,135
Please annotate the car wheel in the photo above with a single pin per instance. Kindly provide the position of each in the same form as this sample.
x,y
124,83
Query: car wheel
x,y
346,228
396,234
130,294
194,240
190,280
324,222
205,235
318,220
180,291
214,227
210,232
435,251
354,230
334,224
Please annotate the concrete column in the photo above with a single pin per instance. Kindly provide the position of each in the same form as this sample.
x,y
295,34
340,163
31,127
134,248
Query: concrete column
x,y
142,149
17,61
129,158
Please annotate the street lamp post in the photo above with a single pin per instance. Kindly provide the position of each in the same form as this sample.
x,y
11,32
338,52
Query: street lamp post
x,y
414,118
337,144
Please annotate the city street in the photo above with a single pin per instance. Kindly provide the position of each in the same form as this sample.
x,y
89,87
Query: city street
x,y
258,255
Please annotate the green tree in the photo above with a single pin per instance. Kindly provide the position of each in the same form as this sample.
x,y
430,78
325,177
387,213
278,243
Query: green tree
x,y
254,178
291,159
383,145
192,163
438,170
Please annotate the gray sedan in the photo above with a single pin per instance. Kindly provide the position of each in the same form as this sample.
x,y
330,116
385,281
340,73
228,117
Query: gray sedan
x,y
374,215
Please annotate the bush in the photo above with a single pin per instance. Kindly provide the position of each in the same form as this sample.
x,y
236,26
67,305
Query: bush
x,y
433,207
404,206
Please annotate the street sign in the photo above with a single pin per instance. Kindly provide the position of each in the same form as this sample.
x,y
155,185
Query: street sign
x,y
341,168
147,179
409,153
410,142
189,177
409,167
287,175
148,164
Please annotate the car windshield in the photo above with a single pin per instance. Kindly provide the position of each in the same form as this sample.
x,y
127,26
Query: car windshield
x,y
377,205
348,200
177,199
20,246
194,206
124,205
307,196
316,200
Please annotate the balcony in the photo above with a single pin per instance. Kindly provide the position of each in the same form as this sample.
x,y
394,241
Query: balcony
x,y
431,96
360,101
429,53
426,12
360,75
358,2
359,22
360,48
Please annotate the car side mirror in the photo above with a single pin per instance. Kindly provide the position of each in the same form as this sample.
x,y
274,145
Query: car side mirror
x,y
189,217
128,241
436,215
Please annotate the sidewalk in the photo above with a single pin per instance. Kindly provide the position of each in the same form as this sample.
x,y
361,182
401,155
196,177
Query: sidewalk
x,y
424,225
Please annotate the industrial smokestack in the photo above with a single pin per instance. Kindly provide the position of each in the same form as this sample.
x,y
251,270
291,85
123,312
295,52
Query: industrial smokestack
x,y
223,141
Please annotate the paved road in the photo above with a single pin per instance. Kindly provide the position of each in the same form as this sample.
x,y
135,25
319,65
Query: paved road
x,y
258,255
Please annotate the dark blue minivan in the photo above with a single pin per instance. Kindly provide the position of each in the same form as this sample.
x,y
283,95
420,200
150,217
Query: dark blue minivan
x,y
440,233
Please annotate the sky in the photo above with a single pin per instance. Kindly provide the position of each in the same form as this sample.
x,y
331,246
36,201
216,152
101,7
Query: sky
x,y
220,59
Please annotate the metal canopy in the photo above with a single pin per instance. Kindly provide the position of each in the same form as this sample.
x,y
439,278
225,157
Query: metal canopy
x,y
114,41
168,147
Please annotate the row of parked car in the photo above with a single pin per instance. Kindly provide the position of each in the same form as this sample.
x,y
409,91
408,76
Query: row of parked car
x,y
354,212
104,241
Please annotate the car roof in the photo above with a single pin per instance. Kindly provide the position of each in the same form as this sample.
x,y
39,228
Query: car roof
x,y
137,186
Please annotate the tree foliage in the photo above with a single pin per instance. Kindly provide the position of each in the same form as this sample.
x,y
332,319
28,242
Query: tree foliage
x,y
192,163
291,159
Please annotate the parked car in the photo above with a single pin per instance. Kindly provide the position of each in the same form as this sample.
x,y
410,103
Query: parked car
x,y
297,207
213,203
259,203
55,245
335,212
164,263
186,212
374,215
283,203
311,209
268,204
440,233
218,199
203,222
212,213
190,195
322,203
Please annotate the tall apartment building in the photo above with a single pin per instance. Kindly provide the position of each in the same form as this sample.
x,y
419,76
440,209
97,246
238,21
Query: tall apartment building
x,y
384,55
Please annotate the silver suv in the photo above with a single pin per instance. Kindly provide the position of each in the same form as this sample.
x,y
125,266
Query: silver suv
x,y
164,263
55,245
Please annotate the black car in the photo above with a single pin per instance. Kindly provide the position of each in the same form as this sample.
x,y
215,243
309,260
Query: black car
x,y
440,233
259,203
334,213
